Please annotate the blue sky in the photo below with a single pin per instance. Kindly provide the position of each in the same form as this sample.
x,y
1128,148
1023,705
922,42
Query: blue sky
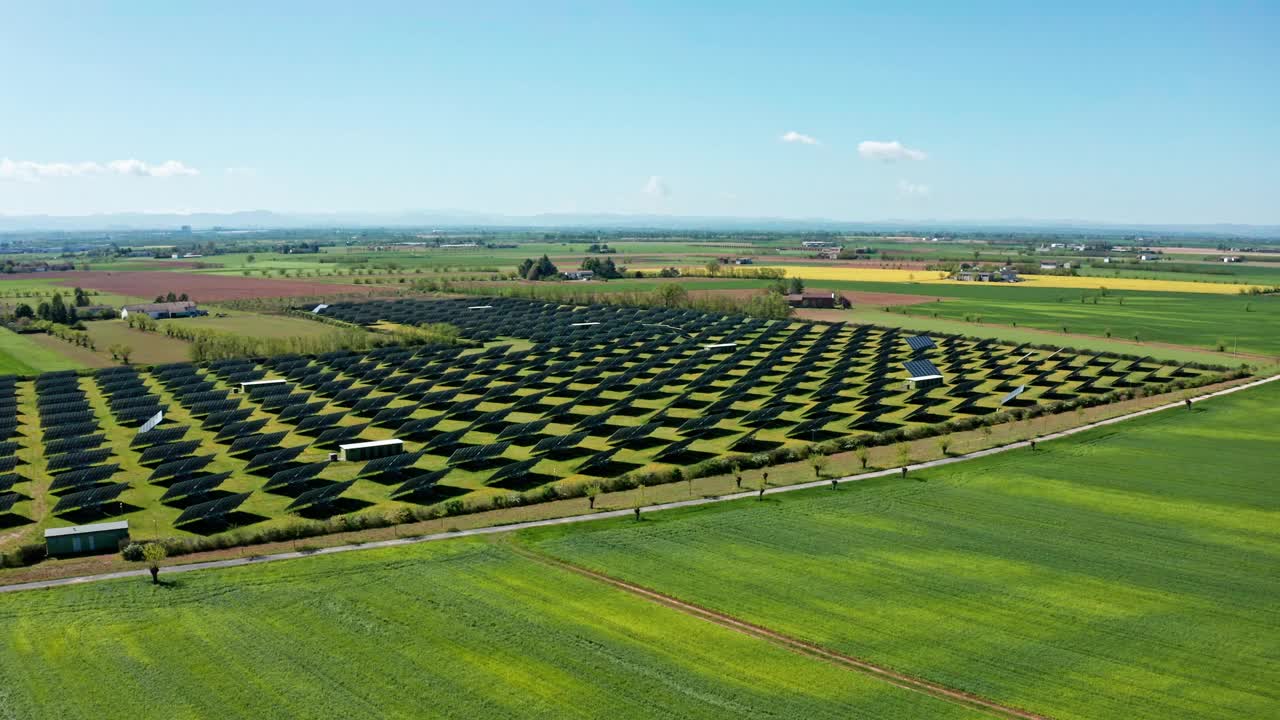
x,y
1129,112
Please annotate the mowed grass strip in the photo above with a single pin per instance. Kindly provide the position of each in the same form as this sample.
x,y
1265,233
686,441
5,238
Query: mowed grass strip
x,y
1127,572
459,629
20,355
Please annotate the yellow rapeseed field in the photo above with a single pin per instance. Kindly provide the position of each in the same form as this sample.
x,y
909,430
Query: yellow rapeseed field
x,y
821,272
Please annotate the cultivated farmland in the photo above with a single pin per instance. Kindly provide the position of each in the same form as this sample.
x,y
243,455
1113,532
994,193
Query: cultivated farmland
x,y
1126,572
593,395
462,630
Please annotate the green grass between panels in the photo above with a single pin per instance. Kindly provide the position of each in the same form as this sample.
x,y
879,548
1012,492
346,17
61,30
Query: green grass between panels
x,y
1127,572
465,630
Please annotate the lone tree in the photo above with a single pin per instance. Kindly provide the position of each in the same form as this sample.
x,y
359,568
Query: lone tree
x,y
818,462
864,456
153,554
592,491
904,457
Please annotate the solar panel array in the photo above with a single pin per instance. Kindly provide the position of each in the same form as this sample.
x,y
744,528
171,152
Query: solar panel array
x,y
594,392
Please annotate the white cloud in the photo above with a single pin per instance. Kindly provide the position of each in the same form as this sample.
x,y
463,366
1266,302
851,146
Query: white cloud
x,y
910,189
888,151
791,136
656,186
31,171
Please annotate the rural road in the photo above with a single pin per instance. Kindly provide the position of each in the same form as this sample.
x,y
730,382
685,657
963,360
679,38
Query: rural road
x,y
512,527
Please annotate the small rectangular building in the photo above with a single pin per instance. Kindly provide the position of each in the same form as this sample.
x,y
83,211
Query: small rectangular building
x,y
370,450
812,300
80,539
248,387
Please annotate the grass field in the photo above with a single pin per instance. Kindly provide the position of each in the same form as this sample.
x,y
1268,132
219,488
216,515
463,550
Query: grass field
x,y
1127,572
464,630
20,355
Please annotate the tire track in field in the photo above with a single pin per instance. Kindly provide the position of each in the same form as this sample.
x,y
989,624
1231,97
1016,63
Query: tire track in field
x,y
849,662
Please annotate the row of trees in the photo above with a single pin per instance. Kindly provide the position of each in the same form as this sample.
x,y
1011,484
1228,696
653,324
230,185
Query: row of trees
x,y
767,305
172,298
214,345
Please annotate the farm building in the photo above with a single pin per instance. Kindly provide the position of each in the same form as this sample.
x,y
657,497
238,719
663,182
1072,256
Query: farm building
x,y
370,450
578,274
159,311
815,300
100,538
976,274
90,312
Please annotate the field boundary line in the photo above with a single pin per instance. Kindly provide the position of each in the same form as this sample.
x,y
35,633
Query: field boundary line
x,y
608,514
849,662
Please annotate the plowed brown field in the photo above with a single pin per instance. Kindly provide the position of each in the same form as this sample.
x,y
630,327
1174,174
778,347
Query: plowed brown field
x,y
202,288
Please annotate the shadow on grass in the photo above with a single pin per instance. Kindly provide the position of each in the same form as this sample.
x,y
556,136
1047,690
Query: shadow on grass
x,y
12,520
340,506
112,509
231,521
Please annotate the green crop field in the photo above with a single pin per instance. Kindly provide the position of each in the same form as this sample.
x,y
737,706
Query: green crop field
x,y
1126,572
464,629
20,355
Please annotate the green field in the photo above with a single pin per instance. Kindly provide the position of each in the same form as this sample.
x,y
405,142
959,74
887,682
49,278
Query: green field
x,y
462,630
20,355
1127,572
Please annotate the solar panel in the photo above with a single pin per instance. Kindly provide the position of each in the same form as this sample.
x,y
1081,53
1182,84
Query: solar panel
x,y
320,496
338,435
194,487
512,470
523,430
7,501
239,429
211,510
302,410
221,419
83,476
170,451
1013,394
275,457
389,463
476,453
151,422
256,442
159,437
598,461
294,475
559,443
180,467
920,368
8,480
76,459
89,498
633,433
419,484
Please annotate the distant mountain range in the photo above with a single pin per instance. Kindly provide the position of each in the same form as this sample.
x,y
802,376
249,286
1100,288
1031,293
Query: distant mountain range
x,y
455,219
